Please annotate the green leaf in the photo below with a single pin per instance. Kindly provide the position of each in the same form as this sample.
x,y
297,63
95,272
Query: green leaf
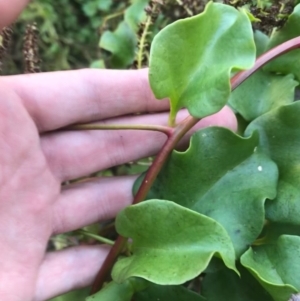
x,y
280,139
77,295
226,285
273,230
90,8
121,43
261,93
167,293
224,177
290,62
276,266
191,59
98,64
171,244
135,13
214,266
104,5
261,41
119,291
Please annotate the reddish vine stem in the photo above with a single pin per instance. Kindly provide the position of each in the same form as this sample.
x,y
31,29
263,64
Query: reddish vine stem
x,y
160,159
111,258
264,59
150,177
179,131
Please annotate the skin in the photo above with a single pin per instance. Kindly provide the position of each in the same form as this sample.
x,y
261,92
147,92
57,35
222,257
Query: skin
x,y
35,161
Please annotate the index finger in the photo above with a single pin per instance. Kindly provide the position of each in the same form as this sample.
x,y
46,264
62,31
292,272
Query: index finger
x,y
58,99
9,10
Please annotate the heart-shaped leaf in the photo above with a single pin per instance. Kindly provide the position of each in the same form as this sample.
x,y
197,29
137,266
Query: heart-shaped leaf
x,y
276,266
224,177
191,59
171,244
279,132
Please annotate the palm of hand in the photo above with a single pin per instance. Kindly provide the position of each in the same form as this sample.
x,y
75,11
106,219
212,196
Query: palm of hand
x,y
35,161
28,191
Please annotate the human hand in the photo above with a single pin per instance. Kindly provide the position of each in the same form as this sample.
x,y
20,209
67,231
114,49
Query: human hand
x,y
35,161
9,10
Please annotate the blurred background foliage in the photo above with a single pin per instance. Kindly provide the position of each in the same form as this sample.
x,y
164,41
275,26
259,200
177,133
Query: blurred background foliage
x,y
68,33
91,33
75,34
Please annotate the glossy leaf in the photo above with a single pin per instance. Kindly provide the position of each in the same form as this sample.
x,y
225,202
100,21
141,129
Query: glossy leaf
x,y
280,139
226,285
119,291
261,93
167,293
222,176
276,266
191,59
121,43
171,244
290,62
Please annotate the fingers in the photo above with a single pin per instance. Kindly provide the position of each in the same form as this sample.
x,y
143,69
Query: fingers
x,y
58,99
101,199
71,155
74,154
69,269
96,200
9,10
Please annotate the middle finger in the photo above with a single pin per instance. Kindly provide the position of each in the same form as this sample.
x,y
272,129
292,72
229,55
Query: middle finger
x,y
73,154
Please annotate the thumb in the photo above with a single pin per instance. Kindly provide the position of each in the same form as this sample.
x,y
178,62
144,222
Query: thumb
x,y
9,10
